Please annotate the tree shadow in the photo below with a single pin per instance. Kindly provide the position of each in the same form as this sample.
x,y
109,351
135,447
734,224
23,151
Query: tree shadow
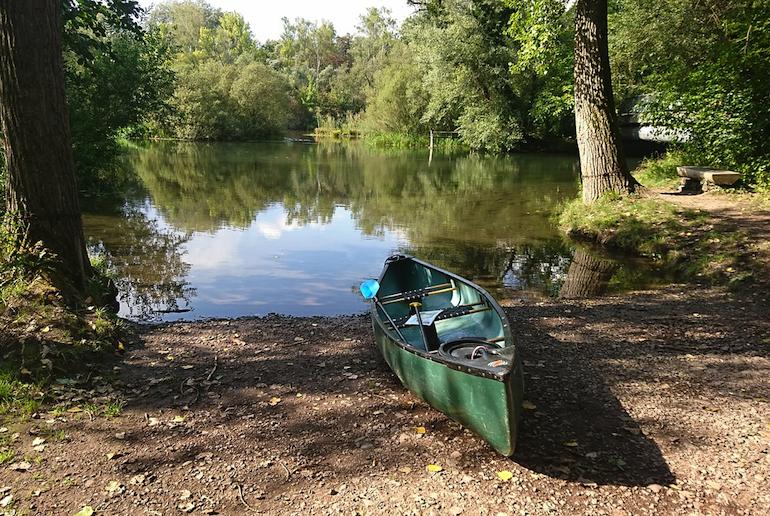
x,y
279,404
578,429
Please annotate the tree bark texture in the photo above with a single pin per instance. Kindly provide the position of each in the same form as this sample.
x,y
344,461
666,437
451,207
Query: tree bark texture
x,y
588,276
40,188
603,167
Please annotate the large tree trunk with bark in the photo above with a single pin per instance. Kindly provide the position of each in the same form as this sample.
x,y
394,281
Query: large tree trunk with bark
x,y
40,188
603,167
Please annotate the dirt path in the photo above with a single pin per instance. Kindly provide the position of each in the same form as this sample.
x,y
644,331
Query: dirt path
x,y
656,402
740,212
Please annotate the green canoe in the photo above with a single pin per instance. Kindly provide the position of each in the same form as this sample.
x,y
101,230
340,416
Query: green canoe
x,y
462,359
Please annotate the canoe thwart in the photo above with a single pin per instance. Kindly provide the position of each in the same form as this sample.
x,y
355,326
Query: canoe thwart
x,y
447,313
417,294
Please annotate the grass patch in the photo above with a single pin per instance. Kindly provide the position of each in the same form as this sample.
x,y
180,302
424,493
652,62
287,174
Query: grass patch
x,y
7,456
45,337
18,397
113,409
684,242
660,172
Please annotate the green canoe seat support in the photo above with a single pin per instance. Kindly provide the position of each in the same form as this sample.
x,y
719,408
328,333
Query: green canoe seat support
x,y
447,313
417,294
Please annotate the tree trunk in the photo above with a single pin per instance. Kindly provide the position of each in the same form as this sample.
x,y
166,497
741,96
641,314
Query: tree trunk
x,y
588,276
40,188
603,167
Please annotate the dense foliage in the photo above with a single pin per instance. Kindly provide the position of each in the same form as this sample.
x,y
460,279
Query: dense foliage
x,y
702,66
495,75
116,76
449,69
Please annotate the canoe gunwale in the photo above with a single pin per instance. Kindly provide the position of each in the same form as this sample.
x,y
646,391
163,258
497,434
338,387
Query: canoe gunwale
x,y
435,357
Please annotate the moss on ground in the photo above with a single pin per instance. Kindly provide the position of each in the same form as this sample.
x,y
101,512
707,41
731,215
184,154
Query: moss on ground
x,y
685,242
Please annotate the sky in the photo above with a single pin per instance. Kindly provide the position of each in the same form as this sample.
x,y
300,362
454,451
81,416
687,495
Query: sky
x,y
264,17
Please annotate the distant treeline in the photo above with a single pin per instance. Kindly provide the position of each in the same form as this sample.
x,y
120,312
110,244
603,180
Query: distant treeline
x,y
498,73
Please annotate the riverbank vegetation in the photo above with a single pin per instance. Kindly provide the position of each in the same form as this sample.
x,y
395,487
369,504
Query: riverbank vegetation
x,y
44,331
689,242
497,76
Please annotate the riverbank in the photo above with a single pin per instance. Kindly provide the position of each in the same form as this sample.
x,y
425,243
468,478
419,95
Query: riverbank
x,y
654,402
718,238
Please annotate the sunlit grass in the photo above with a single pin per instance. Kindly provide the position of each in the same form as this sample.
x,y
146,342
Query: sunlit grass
x,y
17,397
113,409
7,456
660,172
685,241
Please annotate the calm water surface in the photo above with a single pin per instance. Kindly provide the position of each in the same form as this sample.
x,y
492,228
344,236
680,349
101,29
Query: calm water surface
x,y
227,230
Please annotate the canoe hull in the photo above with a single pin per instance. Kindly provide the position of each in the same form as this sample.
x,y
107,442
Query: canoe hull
x,y
489,407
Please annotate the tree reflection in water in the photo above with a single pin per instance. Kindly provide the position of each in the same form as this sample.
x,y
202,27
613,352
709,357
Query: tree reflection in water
x,y
589,275
147,260
486,218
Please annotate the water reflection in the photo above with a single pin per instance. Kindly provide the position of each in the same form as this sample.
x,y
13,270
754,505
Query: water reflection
x,y
589,275
241,229
147,258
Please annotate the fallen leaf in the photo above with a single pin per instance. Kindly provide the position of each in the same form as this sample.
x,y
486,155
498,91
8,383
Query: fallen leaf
x,y
20,466
113,486
37,441
434,468
504,475
46,329
178,419
420,430
114,455
274,401
570,444
75,410
85,511
154,421
528,405
170,357
405,469
137,480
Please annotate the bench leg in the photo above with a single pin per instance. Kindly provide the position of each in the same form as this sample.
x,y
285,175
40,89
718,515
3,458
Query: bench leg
x,y
689,185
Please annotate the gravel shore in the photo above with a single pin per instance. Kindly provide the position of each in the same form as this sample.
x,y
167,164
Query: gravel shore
x,y
653,402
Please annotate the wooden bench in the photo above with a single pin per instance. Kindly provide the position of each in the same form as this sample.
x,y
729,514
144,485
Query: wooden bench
x,y
701,179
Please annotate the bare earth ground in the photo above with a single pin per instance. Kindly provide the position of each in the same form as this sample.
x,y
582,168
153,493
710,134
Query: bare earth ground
x,y
653,402
656,402
748,212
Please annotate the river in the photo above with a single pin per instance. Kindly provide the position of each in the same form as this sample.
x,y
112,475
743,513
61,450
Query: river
x,y
239,229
